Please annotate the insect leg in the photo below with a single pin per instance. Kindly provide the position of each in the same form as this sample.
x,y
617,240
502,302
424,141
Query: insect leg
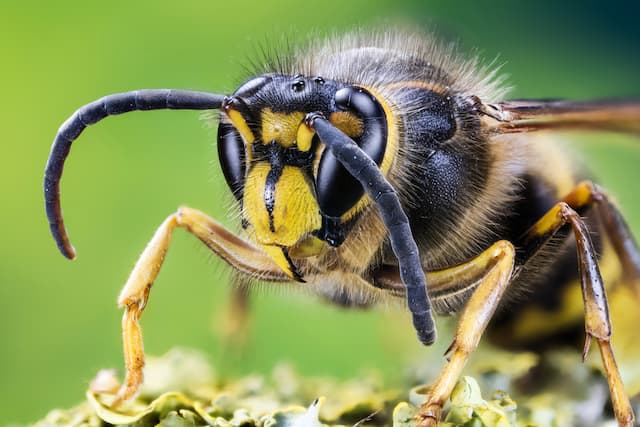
x,y
597,323
235,251
497,264
232,323
615,227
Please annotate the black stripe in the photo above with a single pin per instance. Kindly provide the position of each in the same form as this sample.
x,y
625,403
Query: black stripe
x,y
277,165
148,99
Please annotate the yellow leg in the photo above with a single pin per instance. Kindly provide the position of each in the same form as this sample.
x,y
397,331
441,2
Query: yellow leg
x,y
233,322
135,294
473,277
615,228
497,262
596,309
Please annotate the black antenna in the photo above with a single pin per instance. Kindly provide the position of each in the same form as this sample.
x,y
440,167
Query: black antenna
x,y
404,246
111,105
356,161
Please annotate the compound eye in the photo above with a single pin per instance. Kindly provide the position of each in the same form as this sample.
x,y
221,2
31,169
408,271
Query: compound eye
x,y
232,158
337,190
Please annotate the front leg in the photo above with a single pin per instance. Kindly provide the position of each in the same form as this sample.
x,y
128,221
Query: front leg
x,y
241,255
496,267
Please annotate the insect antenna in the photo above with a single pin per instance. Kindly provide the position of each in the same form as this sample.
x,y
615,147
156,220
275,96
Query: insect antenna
x,y
111,105
404,246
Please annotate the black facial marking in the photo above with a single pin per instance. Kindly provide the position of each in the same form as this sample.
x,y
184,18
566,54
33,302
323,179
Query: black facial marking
x,y
278,157
277,165
289,156
288,94
296,274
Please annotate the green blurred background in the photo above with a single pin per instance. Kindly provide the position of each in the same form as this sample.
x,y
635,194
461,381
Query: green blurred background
x,y
59,322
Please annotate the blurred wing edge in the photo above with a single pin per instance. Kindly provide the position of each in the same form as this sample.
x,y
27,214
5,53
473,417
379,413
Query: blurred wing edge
x,y
517,116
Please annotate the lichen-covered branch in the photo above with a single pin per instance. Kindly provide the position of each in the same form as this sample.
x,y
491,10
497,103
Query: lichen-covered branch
x,y
181,389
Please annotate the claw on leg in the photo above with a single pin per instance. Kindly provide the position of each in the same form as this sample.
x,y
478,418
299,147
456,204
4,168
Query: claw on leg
x,y
431,409
495,267
429,415
134,354
134,296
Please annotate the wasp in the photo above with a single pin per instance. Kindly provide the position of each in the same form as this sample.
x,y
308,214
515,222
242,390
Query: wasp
x,y
376,167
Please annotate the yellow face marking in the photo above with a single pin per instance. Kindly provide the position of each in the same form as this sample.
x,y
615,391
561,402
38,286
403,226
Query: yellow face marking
x,y
345,121
295,211
279,127
241,125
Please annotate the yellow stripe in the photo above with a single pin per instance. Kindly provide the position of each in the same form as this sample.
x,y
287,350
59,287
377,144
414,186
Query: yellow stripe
x,y
304,137
280,127
533,322
241,125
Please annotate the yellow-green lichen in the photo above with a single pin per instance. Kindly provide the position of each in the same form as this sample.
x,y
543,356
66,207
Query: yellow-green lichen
x,y
181,390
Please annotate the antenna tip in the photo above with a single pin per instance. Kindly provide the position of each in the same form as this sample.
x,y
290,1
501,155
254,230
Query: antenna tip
x,y
68,251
